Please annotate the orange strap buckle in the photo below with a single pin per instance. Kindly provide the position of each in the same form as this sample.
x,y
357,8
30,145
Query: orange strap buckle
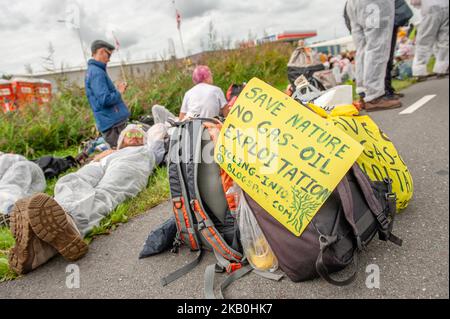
x,y
233,267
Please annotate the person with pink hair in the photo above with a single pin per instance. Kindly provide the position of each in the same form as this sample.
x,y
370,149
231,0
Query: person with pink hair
x,y
203,100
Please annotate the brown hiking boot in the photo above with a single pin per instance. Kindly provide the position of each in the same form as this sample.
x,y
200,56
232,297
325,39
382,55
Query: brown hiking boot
x,y
394,96
382,104
51,224
29,251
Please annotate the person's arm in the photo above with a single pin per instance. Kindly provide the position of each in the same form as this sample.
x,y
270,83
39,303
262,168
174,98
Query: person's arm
x,y
224,107
226,110
184,108
105,97
182,116
102,155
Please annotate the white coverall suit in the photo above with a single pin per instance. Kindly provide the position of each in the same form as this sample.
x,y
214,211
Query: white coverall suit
x,y
432,33
372,22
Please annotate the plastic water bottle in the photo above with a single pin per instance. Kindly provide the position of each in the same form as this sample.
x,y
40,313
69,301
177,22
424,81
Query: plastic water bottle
x,y
233,196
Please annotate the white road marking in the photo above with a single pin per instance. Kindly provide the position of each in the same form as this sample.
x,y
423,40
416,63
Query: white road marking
x,y
418,104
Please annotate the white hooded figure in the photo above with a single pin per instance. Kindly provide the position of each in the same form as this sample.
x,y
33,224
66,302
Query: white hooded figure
x,y
372,22
432,34
19,178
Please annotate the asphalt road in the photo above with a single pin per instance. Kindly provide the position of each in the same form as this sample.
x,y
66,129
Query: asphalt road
x,y
419,269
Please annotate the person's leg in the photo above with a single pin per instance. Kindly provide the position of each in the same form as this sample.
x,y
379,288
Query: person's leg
x,y
94,193
111,136
426,37
442,56
51,224
156,141
161,114
75,193
42,226
29,251
354,11
389,89
379,23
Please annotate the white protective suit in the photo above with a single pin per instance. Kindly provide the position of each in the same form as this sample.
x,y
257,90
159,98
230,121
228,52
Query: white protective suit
x,y
98,188
372,23
432,32
19,178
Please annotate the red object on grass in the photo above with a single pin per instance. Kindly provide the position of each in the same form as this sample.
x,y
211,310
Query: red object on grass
x,y
7,97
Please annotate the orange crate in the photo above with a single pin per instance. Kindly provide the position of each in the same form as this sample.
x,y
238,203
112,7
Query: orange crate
x,y
7,97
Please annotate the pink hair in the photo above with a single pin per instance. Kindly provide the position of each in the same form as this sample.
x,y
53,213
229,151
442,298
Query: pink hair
x,y
201,74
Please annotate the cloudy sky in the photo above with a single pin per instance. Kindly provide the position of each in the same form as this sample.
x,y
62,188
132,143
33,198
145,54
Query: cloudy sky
x,y
145,27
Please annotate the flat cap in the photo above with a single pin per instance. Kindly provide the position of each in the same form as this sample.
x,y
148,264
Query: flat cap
x,y
98,44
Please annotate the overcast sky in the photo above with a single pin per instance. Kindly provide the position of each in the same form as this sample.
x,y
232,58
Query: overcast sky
x,y
144,27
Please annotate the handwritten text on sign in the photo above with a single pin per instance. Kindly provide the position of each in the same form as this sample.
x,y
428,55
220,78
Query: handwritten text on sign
x,y
380,158
284,156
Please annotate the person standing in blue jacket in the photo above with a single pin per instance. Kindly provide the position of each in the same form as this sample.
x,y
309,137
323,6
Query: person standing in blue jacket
x,y
110,112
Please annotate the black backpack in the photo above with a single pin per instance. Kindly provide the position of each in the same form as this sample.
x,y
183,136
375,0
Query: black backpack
x,y
53,167
201,208
403,13
356,211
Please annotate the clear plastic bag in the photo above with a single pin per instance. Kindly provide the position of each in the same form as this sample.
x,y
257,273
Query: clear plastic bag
x,y
255,245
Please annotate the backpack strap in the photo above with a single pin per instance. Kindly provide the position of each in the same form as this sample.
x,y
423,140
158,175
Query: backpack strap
x,y
345,195
185,223
183,270
209,280
233,276
212,236
322,270
326,241
187,231
385,221
182,211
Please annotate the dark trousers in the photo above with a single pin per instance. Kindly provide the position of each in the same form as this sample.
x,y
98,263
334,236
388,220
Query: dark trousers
x,y
111,136
389,90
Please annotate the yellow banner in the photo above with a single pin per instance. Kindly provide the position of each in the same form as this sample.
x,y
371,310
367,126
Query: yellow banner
x,y
380,159
286,157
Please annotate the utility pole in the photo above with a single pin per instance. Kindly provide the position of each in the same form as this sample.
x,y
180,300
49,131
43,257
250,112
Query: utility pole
x,y
178,17
117,44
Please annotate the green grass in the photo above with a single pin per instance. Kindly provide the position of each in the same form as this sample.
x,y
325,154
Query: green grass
x,y
398,85
6,242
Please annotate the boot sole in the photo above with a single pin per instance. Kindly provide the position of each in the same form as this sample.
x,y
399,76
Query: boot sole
x,y
19,256
383,108
50,223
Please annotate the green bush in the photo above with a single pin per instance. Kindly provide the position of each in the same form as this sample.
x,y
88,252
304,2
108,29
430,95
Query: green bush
x,y
34,130
68,120
167,87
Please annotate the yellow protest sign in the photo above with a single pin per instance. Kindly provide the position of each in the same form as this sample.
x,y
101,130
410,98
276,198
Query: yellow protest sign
x,y
286,157
380,159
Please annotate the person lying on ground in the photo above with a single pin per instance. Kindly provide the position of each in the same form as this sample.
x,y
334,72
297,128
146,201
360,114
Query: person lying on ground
x,y
19,178
110,112
203,100
133,136
44,226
